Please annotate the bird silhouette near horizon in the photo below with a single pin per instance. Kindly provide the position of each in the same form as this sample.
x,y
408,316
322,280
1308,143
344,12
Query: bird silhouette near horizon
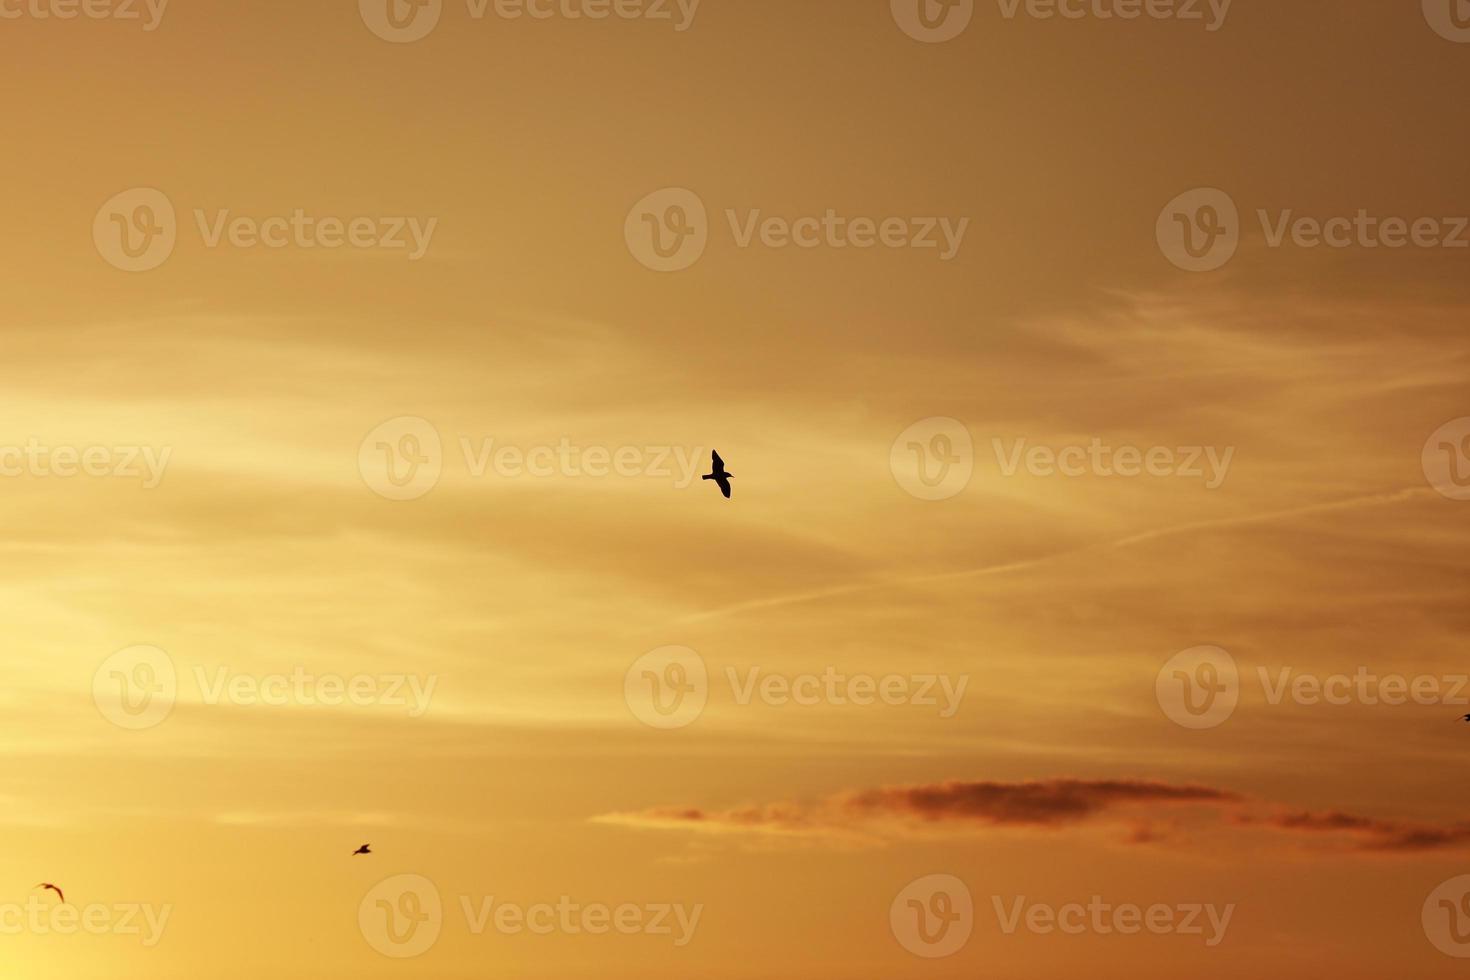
x,y
721,477
364,849
47,885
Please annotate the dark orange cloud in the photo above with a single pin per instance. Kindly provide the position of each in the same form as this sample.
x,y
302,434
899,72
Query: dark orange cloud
x,y
1368,834
1047,802
1148,809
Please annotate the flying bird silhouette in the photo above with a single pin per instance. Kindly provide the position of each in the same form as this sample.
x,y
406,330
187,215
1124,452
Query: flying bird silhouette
x,y
720,476
364,849
1467,717
48,885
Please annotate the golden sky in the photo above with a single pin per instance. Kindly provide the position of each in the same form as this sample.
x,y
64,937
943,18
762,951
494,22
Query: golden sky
x,y
1095,388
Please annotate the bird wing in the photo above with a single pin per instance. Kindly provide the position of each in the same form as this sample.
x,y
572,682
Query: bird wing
x,y
724,487
719,463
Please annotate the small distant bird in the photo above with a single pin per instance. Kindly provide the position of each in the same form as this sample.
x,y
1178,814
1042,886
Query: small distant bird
x,y
364,849
721,478
51,887
1467,717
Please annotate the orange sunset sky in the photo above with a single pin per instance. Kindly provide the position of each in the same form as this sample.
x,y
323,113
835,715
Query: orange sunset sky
x,y
1094,380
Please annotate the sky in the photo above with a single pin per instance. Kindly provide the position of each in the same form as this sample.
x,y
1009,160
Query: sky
x,y
1091,595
